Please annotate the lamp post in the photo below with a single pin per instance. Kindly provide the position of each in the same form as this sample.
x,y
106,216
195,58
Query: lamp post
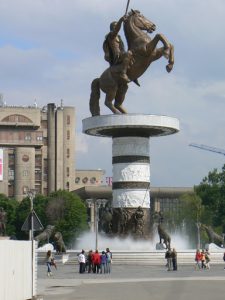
x,y
31,195
198,224
96,204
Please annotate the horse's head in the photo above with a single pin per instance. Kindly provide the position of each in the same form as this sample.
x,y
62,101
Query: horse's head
x,y
140,21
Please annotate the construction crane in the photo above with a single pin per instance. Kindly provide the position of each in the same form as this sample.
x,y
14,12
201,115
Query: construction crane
x,y
208,148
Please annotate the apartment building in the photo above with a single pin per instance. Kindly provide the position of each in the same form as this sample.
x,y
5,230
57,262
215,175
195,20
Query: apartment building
x,y
37,149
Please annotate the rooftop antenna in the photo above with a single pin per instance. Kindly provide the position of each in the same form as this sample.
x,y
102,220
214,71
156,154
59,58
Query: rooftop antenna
x,y
61,105
1,100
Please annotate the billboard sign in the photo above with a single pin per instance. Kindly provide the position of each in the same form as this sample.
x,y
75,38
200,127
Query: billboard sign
x,y
1,164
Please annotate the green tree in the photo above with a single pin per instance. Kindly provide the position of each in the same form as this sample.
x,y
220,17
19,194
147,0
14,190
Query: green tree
x,y
23,210
68,213
10,207
212,192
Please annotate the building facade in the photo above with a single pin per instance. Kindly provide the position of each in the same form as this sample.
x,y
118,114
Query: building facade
x,y
37,149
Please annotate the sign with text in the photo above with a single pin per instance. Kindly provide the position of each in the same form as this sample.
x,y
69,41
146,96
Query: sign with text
x,y
1,164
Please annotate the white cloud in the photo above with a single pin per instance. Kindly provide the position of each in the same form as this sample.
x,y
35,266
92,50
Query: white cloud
x,y
52,49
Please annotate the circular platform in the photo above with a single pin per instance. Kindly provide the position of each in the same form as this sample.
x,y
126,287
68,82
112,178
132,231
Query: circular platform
x,y
130,125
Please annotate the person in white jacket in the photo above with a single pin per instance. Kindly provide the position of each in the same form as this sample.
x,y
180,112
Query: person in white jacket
x,y
82,261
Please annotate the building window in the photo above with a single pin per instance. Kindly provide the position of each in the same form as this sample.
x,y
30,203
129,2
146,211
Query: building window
x,y
93,180
25,158
68,186
68,134
11,174
68,171
67,152
25,173
25,189
85,180
68,119
27,137
77,180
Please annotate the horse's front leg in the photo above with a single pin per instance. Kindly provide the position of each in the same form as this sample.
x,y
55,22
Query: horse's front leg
x,y
167,50
153,43
169,67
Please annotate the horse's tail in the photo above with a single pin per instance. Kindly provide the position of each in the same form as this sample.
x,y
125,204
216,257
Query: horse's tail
x,y
94,98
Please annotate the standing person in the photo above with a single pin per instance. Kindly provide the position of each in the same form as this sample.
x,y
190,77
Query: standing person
x,y
81,260
198,259
203,266
168,256
224,258
89,261
103,262
96,261
108,260
207,259
174,259
49,259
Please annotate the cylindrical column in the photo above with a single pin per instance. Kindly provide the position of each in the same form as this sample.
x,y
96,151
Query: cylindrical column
x,y
131,165
24,171
51,148
131,172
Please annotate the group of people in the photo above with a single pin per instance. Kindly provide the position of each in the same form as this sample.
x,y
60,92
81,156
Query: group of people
x,y
202,259
171,258
95,262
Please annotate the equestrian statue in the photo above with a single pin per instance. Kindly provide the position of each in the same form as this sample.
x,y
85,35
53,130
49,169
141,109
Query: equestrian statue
x,y
128,66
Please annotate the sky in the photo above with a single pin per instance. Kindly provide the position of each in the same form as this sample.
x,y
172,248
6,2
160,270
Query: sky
x,y
52,50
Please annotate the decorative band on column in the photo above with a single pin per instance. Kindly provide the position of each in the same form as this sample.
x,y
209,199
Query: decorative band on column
x,y
130,159
130,185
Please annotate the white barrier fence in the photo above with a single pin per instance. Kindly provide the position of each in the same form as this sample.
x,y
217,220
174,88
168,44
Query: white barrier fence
x,y
18,271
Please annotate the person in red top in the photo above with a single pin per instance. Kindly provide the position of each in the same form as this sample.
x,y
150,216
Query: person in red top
x,y
198,259
96,260
203,259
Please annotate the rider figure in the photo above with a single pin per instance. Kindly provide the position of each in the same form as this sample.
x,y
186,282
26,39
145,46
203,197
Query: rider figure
x,y
114,49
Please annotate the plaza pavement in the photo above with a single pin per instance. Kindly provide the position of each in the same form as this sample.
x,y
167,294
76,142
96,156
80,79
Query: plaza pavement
x,y
133,282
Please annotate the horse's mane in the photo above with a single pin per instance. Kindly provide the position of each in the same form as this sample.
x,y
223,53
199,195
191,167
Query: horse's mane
x,y
129,26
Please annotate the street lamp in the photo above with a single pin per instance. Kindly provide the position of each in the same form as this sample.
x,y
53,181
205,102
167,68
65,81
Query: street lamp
x,y
96,204
31,195
198,224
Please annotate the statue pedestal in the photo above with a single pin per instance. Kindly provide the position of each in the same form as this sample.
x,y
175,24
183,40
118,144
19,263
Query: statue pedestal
x,y
130,135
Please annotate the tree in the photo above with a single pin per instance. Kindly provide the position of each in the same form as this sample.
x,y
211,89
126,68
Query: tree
x,y
10,206
68,213
212,192
23,210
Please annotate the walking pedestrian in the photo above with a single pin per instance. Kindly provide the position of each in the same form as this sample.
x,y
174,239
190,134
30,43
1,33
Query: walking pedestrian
x,y
49,259
198,259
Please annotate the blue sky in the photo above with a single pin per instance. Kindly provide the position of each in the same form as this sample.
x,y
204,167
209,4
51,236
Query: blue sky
x,y
52,50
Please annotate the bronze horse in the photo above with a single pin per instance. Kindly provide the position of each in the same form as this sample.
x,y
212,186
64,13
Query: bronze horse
x,y
142,51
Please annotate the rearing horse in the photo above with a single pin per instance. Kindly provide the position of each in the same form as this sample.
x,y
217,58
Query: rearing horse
x,y
142,51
